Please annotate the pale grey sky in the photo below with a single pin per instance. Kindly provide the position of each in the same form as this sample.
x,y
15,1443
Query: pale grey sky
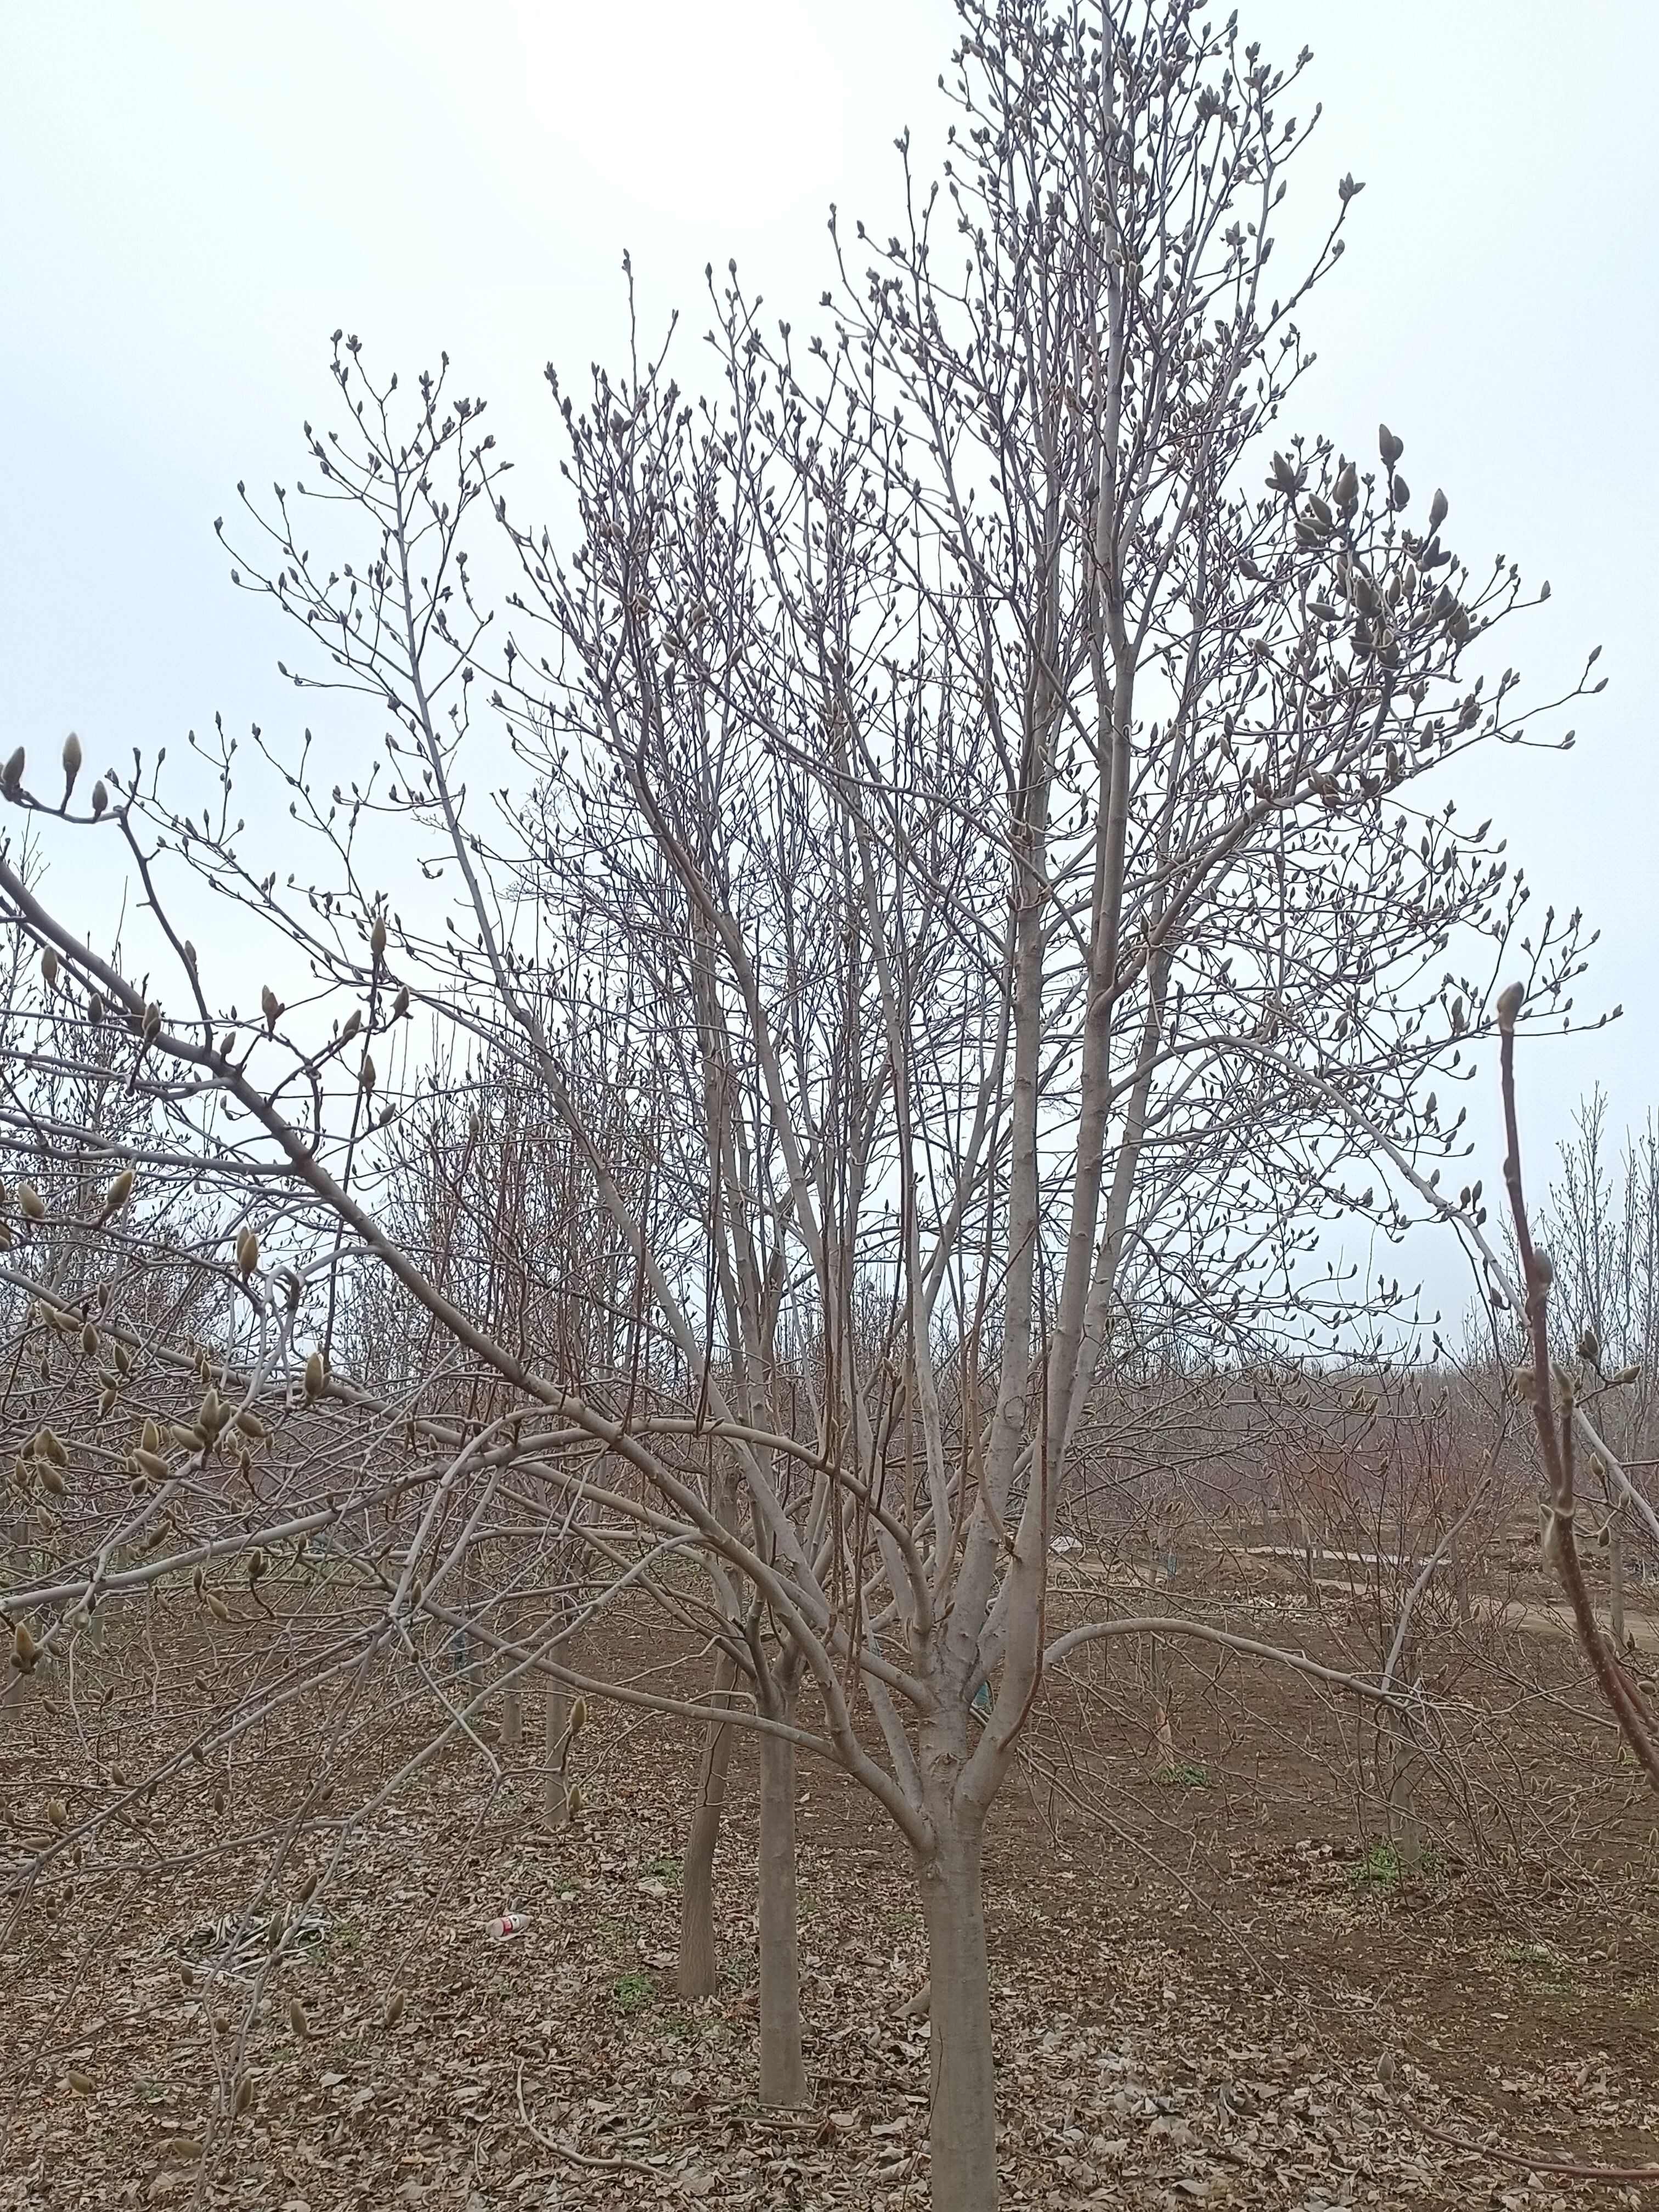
x,y
197,192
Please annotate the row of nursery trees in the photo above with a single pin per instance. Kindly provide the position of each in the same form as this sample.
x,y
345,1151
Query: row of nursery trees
x,y
937,878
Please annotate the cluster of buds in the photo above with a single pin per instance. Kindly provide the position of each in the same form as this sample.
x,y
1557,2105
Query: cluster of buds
x,y
44,1458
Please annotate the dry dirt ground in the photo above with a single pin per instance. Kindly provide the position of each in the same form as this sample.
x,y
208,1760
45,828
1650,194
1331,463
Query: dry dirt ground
x,y
1211,1984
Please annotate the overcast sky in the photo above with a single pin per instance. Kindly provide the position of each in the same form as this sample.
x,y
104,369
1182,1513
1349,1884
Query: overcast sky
x,y
196,195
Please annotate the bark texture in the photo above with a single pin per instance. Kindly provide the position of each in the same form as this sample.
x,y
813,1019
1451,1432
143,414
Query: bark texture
x,y
553,1782
962,2124
700,1965
782,2066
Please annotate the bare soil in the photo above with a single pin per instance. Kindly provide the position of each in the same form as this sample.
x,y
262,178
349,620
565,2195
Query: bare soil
x,y
1214,1981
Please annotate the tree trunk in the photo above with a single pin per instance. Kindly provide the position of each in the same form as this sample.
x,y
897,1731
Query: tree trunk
x,y
962,2122
1404,1829
558,1719
699,1969
782,2068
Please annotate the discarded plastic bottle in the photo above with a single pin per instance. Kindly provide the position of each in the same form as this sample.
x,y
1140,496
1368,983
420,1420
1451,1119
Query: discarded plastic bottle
x,y
508,1924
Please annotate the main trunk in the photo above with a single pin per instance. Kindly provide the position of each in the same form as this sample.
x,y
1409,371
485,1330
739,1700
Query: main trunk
x,y
699,1968
962,2122
782,2068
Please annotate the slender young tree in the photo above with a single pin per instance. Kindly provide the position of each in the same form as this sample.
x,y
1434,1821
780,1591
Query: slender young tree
x,y
953,848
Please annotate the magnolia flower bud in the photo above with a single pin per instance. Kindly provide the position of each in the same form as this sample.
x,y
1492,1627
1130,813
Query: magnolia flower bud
x,y
377,940
71,763
49,968
1510,1000
11,777
1589,1347
119,1193
29,1199
1389,446
247,1251
314,1376
270,1007
1346,487
1439,507
400,1004
100,799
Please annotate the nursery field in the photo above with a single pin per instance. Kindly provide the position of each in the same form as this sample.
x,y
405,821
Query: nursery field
x,y
1223,1972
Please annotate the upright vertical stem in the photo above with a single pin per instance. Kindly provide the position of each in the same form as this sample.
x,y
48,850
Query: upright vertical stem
x,y
782,2067
961,2122
558,1720
699,1965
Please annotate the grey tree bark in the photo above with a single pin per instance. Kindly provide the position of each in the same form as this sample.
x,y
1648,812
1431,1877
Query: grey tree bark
x,y
961,2123
699,1962
782,2064
557,1710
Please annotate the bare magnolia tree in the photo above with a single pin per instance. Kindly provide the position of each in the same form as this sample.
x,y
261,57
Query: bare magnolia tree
x,y
951,857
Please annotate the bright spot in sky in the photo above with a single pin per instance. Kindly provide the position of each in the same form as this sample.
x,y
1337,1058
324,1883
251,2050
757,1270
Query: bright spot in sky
x,y
673,115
